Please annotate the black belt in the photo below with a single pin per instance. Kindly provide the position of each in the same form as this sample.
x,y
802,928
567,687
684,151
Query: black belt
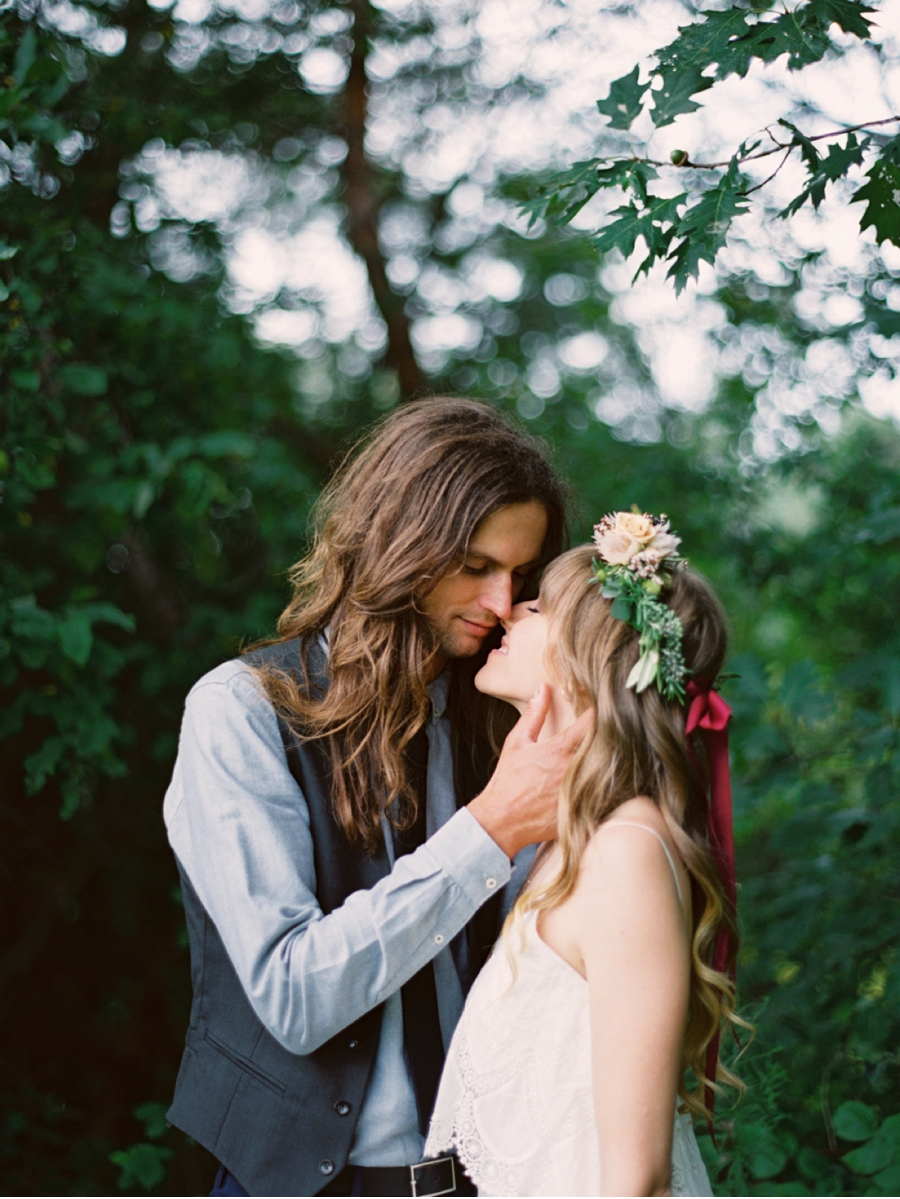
x,y
443,1176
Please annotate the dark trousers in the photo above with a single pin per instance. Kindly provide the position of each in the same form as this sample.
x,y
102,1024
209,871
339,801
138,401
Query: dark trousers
x,y
227,1184
348,1182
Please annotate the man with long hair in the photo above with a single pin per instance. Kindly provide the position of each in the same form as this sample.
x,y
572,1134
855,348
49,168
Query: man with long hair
x,y
342,843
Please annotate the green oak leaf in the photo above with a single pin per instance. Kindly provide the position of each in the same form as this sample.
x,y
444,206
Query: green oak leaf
x,y
881,194
623,231
674,97
726,40
801,34
890,151
848,14
808,151
647,222
561,196
704,227
629,173
624,101
716,39
840,158
827,170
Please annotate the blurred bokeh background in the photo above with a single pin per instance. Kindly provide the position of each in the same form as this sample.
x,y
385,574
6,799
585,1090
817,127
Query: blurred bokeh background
x,y
235,232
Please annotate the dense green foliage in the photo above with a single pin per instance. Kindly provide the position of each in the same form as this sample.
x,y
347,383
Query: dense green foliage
x,y
158,467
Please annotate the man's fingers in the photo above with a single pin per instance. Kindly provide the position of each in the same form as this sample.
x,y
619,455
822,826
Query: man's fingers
x,y
575,733
532,719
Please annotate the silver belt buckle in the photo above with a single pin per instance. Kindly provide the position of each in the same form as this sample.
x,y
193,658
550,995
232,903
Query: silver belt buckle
x,y
437,1161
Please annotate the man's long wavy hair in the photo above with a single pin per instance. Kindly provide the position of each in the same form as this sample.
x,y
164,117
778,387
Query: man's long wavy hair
x,y
638,748
396,517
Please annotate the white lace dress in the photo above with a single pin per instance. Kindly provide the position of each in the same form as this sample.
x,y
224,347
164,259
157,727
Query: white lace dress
x,y
516,1098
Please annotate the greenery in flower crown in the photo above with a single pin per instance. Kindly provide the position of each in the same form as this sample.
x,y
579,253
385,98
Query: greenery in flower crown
x,y
638,554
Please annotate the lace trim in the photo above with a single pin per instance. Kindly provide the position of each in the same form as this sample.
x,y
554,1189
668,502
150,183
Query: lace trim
x,y
492,1177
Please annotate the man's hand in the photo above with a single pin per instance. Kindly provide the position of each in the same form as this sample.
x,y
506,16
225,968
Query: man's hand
x,y
519,805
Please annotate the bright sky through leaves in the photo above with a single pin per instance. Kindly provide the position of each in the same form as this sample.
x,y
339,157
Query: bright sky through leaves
x,y
569,54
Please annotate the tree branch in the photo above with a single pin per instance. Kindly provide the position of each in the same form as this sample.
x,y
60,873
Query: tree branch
x,y
363,207
769,178
715,166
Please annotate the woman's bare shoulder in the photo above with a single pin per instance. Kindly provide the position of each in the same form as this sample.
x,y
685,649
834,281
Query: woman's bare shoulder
x,y
618,846
640,810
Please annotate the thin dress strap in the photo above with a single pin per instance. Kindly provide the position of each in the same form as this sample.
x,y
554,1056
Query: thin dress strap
x,y
648,829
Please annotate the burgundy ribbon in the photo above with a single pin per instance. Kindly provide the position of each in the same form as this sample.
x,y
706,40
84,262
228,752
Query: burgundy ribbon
x,y
709,712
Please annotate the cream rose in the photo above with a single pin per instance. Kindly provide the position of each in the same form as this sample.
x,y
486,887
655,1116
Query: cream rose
x,y
633,524
664,544
617,548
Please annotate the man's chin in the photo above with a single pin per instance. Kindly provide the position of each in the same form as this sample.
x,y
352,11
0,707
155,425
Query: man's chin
x,y
461,647
467,645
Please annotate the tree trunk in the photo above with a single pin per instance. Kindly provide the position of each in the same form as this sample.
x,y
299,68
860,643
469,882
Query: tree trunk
x,y
363,206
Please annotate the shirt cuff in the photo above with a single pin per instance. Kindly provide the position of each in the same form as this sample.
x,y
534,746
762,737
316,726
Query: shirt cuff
x,y
470,856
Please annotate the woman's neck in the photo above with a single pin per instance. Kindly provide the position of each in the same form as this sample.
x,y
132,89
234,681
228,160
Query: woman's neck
x,y
560,714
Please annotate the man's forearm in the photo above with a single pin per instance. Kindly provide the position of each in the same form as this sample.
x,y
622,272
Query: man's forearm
x,y
308,976
240,828
348,962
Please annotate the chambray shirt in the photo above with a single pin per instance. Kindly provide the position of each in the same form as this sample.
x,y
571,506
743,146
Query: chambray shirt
x,y
239,825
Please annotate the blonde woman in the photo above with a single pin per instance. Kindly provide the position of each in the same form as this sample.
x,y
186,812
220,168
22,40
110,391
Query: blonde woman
x,y
566,1075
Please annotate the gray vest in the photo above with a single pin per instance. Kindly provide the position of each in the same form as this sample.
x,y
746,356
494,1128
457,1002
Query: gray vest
x,y
284,1123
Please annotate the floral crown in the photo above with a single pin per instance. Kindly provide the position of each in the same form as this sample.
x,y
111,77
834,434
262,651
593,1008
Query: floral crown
x,y
637,557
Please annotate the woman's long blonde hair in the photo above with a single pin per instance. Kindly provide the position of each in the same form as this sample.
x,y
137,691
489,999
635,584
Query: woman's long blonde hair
x,y
638,748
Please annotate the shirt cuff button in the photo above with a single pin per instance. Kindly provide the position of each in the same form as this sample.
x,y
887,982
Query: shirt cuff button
x,y
439,939
490,883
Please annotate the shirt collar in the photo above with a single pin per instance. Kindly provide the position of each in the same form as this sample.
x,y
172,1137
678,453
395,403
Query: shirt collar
x,y
438,693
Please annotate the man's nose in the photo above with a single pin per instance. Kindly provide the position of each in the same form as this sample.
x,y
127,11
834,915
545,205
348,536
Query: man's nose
x,y
516,613
497,597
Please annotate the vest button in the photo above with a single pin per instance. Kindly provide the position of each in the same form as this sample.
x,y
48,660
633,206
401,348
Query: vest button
x,y
326,1167
354,1044
342,1107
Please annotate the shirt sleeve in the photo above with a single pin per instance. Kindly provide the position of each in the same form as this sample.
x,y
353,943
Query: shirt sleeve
x,y
239,825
